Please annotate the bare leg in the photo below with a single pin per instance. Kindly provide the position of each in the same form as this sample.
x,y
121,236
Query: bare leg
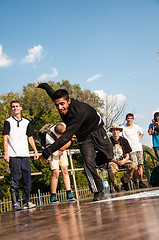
x,y
66,178
54,180
135,174
113,169
140,172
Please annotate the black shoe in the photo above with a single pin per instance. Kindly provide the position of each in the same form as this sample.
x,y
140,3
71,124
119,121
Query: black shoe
x,y
98,196
117,188
136,185
142,185
102,167
125,185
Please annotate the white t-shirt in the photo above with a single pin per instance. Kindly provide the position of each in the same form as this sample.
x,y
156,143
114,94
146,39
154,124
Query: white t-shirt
x,y
132,135
49,140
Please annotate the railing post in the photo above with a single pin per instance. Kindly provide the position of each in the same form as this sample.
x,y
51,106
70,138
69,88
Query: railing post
x,y
146,169
69,154
39,195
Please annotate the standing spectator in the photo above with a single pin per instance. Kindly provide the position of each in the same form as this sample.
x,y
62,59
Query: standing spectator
x,y
17,132
83,121
133,133
154,131
121,150
59,158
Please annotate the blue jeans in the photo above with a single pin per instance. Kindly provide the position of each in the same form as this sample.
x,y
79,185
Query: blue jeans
x,y
18,165
156,150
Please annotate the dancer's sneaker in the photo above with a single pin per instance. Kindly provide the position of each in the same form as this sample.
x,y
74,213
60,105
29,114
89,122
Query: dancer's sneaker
x,y
98,196
29,205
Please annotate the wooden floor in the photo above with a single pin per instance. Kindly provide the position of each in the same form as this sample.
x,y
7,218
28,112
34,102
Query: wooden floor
x,y
129,215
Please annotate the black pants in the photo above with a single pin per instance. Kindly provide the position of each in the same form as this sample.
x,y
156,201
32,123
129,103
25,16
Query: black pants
x,y
97,140
18,164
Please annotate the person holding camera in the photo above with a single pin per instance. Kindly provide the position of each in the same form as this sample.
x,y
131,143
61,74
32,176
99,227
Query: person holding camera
x,y
154,131
121,150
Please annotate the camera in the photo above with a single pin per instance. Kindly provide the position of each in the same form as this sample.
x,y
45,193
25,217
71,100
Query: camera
x,y
156,119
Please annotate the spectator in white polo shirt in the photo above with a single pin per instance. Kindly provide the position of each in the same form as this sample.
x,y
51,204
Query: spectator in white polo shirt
x,y
17,132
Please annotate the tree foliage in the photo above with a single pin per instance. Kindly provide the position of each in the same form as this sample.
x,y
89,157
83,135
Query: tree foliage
x,y
39,109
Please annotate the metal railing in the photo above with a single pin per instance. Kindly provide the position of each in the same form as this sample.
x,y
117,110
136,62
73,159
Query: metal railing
x,y
6,204
72,170
154,162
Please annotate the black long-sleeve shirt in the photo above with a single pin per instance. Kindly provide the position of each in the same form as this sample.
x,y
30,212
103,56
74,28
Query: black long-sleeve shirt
x,y
81,119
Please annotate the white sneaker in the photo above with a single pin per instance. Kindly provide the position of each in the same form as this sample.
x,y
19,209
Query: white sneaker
x,y
16,207
28,205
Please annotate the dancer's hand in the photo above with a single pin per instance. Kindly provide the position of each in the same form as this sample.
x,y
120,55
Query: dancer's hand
x,y
42,158
38,84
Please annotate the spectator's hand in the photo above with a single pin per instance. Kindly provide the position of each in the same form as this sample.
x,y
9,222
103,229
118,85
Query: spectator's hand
x,y
114,160
6,158
73,138
122,162
38,84
155,123
42,158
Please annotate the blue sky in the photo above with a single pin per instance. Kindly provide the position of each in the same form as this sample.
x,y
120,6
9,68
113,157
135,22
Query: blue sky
x,y
106,46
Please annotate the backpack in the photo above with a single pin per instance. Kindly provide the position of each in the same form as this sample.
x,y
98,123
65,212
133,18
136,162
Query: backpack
x,y
43,131
154,179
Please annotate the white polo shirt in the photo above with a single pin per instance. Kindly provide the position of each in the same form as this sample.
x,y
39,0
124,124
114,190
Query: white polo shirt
x,y
18,133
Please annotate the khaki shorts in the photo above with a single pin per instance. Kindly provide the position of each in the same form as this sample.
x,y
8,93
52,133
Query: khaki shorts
x,y
58,158
137,157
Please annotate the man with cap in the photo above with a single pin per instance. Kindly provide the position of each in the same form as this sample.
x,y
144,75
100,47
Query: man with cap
x,y
121,150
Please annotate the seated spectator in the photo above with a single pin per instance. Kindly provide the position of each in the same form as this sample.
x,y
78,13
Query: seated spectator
x,y
121,150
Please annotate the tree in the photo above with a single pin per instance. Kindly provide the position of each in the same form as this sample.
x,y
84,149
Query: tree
x,y
112,111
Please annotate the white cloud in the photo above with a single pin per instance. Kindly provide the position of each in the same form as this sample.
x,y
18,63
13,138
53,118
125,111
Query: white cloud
x,y
118,98
139,116
46,76
93,78
34,54
5,61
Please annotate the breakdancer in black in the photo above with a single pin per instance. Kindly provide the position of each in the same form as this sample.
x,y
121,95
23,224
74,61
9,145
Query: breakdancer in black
x,y
83,121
